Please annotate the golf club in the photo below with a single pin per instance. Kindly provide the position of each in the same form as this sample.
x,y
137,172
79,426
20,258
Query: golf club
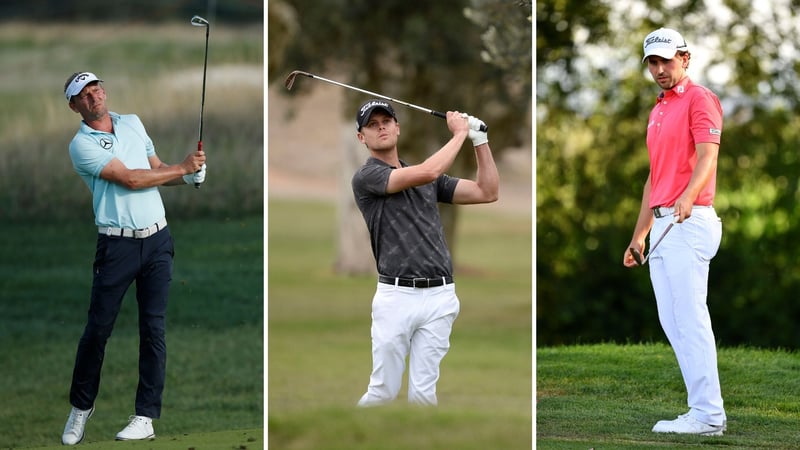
x,y
290,82
638,256
200,22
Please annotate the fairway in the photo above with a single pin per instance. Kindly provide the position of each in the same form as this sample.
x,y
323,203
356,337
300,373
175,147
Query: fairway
x,y
319,356
237,439
214,333
608,396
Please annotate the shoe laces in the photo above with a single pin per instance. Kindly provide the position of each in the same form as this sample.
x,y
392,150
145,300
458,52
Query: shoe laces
x,y
135,420
687,418
696,423
80,417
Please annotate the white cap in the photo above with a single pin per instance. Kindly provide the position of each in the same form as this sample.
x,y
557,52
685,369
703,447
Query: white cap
x,y
664,42
78,83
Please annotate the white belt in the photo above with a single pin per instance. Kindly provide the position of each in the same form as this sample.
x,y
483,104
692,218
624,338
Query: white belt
x,y
136,234
669,211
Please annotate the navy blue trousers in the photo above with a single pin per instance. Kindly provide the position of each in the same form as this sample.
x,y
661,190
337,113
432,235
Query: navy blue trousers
x,y
119,262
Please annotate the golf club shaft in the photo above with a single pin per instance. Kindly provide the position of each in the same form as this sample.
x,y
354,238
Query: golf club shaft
x,y
638,256
660,238
199,21
293,75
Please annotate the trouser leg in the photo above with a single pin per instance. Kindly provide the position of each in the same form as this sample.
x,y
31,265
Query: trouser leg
x,y
113,273
391,307
430,343
679,273
152,293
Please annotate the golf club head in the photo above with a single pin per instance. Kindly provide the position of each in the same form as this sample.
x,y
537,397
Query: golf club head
x,y
290,79
637,256
199,21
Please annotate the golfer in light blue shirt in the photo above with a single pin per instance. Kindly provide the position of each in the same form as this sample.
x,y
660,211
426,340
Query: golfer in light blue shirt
x,y
117,160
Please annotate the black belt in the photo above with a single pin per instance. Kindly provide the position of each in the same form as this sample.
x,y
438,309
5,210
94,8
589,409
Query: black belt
x,y
415,282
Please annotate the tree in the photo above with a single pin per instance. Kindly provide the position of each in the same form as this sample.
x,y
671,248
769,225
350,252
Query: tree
x,y
593,96
428,54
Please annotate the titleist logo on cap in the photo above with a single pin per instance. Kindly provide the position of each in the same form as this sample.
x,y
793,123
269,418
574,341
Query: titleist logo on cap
x,y
369,105
657,40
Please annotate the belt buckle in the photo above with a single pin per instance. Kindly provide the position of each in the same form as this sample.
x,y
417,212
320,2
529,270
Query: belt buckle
x,y
657,212
421,281
143,233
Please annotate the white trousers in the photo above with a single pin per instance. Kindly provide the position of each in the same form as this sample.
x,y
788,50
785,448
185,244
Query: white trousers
x,y
413,323
679,273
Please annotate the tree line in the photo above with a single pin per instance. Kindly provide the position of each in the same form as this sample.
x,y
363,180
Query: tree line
x,y
593,96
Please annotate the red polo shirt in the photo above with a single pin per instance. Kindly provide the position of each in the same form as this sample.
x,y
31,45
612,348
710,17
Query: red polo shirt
x,y
684,116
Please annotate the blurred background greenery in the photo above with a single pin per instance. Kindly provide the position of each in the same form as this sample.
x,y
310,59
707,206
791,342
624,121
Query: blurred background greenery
x,y
593,96
151,61
466,55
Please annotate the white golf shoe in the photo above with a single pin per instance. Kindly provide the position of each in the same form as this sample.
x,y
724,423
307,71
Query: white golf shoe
x,y
686,424
140,427
76,425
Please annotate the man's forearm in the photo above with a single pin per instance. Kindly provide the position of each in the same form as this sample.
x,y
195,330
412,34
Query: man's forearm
x,y
488,177
440,162
705,167
164,175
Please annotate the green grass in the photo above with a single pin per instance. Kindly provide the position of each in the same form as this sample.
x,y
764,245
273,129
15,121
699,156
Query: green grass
x,y
608,396
235,439
214,332
319,343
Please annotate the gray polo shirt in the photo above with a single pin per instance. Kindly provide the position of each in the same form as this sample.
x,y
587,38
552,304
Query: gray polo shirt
x,y
405,227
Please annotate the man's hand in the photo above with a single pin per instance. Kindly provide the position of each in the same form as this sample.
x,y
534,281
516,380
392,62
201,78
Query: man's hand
x,y
197,177
195,167
478,137
457,122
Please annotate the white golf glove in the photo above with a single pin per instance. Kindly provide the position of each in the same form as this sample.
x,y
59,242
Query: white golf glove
x,y
478,137
197,177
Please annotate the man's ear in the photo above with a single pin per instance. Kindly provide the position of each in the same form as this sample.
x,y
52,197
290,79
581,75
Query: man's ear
x,y
360,137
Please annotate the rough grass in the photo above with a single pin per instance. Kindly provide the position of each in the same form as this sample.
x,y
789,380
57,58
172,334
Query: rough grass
x,y
214,332
319,346
152,71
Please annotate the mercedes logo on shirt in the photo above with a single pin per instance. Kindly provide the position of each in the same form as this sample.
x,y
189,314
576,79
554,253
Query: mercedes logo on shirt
x,y
106,143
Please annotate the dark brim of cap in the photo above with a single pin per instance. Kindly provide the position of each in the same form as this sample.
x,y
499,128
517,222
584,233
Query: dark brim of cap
x,y
368,113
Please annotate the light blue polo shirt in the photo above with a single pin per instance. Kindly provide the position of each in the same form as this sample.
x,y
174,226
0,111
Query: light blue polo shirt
x,y
114,204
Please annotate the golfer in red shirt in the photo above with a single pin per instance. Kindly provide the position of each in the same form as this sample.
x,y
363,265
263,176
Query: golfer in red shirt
x,y
683,137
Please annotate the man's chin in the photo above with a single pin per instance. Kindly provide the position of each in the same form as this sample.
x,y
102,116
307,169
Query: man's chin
x,y
97,115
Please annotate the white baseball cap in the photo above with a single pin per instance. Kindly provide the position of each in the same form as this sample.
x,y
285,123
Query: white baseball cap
x,y
77,84
664,42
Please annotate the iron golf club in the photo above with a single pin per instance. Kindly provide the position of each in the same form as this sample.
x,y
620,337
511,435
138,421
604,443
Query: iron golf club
x,y
638,256
290,82
200,22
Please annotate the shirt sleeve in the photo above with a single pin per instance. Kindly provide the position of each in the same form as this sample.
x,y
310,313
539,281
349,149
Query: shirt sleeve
x,y
706,118
446,188
88,157
371,179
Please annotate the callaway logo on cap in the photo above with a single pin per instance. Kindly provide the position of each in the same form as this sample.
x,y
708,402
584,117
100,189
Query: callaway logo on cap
x,y
664,42
78,83
362,117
